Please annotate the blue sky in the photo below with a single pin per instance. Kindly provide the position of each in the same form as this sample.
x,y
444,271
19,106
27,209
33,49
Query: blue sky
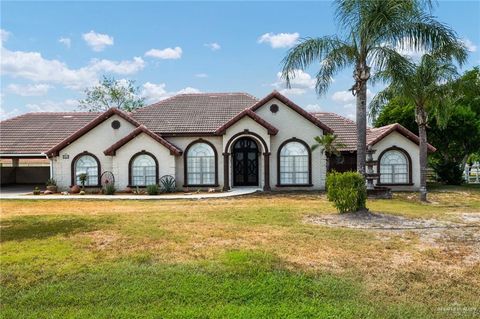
x,y
52,50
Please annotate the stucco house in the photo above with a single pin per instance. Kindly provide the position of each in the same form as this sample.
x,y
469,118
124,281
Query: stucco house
x,y
205,140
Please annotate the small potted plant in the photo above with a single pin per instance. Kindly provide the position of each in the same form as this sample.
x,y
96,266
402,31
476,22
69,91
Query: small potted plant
x,y
36,191
51,185
83,178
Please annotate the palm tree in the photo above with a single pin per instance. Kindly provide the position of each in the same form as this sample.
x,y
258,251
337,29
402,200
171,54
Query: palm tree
x,y
373,31
330,146
428,86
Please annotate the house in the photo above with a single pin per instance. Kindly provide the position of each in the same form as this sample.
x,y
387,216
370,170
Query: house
x,y
205,140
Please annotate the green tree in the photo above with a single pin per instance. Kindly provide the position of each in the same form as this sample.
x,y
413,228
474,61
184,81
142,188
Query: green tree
x,y
330,146
112,93
428,86
372,31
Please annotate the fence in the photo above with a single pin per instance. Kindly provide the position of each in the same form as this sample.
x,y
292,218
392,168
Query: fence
x,y
472,173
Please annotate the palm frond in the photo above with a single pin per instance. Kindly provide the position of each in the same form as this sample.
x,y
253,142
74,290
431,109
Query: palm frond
x,y
308,51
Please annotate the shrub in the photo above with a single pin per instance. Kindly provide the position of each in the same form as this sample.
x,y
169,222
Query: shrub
x,y
347,191
449,172
81,193
168,183
51,182
110,189
152,189
36,191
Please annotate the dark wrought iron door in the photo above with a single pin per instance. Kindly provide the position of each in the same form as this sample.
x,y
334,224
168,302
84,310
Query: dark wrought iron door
x,y
245,162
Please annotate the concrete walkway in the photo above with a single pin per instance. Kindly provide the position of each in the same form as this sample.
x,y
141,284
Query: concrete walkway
x,y
233,192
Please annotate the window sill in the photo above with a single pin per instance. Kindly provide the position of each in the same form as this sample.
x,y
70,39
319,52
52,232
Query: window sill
x,y
294,185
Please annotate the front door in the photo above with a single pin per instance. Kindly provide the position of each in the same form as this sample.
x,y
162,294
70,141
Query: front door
x,y
245,162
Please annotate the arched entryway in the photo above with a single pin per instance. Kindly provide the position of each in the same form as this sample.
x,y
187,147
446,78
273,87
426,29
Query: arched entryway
x,y
254,163
245,153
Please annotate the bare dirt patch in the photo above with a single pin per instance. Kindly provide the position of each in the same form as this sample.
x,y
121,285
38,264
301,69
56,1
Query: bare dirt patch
x,y
379,221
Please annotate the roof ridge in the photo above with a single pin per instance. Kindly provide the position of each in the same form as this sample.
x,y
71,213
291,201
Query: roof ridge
x,y
50,113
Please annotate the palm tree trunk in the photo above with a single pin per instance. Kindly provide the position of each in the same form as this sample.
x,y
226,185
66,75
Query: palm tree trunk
x,y
421,119
361,125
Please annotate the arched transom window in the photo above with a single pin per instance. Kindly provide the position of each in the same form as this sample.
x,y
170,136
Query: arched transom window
x,y
294,167
394,168
86,164
201,164
143,170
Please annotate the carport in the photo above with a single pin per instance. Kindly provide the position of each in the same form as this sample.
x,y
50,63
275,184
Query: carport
x,y
25,139
24,170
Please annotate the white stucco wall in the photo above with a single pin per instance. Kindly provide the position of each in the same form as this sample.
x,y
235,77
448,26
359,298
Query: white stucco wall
x,y
142,142
182,143
398,140
95,141
291,124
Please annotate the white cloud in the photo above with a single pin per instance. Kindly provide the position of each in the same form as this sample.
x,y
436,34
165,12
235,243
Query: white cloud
x,y
67,42
279,40
201,75
214,46
97,41
4,35
8,114
300,83
29,90
313,108
293,91
121,67
53,106
348,97
343,96
165,54
471,47
34,67
157,92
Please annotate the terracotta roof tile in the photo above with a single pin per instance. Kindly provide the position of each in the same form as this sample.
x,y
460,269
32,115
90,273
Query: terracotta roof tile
x,y
193,113
38,132
346,130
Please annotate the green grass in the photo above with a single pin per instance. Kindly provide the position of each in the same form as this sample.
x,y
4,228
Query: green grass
x,y
251,257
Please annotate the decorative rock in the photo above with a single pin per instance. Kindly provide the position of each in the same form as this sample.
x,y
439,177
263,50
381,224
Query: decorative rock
x,y
75,189
64,193
212,190
128,190
47,192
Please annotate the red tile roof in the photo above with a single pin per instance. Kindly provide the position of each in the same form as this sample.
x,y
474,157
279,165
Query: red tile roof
x,y
85,129
272,130
35,133
201,113
139,130
346,130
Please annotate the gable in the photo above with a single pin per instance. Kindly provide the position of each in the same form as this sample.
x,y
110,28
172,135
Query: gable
x,y
140,133
283,102
99,137
105,133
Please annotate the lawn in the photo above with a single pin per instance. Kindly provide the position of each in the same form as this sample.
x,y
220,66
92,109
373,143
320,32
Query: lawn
x,y
249,257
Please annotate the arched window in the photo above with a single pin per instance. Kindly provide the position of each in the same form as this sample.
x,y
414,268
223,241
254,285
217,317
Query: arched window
x,y
86,164
143,170
201,164
394,167
294,163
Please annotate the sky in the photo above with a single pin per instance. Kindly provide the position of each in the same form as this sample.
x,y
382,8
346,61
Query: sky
x,y
52,51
